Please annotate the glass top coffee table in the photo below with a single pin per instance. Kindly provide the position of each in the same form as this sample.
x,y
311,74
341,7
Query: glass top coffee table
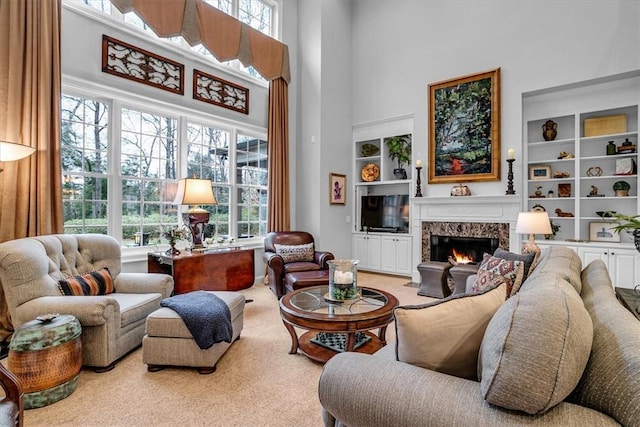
x,y
334,327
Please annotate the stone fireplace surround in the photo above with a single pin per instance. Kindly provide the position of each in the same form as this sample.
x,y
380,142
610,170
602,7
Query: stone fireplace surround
x,y
464,216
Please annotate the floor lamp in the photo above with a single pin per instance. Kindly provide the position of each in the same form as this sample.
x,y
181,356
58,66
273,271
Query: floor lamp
x,y
532,223
196,192
10,151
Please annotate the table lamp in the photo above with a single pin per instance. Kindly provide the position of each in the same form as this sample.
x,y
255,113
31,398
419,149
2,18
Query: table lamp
x,y
533,223
196,192
10,151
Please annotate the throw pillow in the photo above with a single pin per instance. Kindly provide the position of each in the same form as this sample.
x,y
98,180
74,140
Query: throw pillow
x,y
511,272
535,350
445,335
527,259
295,253
97,282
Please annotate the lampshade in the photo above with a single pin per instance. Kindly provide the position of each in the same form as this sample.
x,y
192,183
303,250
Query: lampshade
x,y
10,151
533,223
194,191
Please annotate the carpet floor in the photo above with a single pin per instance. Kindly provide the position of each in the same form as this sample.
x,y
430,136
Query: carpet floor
x,y
257,382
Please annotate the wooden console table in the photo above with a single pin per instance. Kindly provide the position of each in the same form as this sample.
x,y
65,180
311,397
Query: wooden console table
x,y
220,269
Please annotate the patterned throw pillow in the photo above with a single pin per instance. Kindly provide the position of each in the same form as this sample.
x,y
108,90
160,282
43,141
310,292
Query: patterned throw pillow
x,y
97,282
295,253
494,271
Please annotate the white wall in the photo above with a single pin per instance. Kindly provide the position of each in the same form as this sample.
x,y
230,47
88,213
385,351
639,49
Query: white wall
x,y
400,47
323,142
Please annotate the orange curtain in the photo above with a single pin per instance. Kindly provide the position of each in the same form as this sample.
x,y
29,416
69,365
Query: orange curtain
x,y
278,136
30,189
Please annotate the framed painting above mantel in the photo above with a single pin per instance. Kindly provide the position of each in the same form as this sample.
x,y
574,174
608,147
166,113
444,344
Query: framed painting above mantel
x,y
464,129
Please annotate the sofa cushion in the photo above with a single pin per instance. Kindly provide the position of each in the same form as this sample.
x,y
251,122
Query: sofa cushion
x,y
527,259
295,253
534,350
492,269
136,307
97,282
561,260
445,335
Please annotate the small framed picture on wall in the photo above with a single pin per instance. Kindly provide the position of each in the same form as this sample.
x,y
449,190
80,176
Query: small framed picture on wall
x,y
337,189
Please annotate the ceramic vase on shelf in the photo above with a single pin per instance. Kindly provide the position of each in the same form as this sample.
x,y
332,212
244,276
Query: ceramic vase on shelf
x,y
343,283
549,130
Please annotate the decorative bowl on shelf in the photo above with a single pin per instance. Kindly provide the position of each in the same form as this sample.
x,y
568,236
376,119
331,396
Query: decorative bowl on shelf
x,y
368,150
605,214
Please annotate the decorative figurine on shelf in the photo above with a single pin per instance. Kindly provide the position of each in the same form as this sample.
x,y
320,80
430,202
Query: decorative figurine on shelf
x,y
561,174
549,130
538,192
565,155
594,192
562,214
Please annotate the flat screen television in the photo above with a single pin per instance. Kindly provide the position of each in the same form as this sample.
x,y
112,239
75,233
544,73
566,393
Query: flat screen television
x,y
389,213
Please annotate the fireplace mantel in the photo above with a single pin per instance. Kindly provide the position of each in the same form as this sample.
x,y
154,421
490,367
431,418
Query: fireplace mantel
x,y
493,209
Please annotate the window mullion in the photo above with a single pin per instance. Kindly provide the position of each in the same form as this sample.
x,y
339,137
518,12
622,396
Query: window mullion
x,y
114,173
234,208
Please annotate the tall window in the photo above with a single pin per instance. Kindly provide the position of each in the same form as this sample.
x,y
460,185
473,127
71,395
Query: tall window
x,y
148,148
85,165
131,197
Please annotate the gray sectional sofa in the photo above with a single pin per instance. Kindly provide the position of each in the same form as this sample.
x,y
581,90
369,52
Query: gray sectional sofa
x,y
562,351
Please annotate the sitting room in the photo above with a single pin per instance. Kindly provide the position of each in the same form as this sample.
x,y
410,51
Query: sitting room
x,y
319,213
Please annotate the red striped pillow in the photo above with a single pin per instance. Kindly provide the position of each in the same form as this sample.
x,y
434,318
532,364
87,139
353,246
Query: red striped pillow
x,y
97,282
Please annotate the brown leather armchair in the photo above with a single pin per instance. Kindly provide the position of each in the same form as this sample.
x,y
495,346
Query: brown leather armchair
x,y
276,265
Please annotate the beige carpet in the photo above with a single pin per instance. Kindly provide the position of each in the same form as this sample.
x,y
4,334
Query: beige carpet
x,y
257,383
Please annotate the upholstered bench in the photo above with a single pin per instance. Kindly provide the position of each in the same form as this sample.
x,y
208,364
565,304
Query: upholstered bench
x,y
304,279
168,342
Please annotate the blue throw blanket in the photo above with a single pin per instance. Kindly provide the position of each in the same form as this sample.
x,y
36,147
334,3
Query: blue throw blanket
x,y
206,316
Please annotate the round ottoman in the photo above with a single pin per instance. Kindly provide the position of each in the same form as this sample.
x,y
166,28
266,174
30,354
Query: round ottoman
x,y
46,356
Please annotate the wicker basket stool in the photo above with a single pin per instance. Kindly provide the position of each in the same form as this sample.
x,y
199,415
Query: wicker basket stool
x,y
46,356
168,342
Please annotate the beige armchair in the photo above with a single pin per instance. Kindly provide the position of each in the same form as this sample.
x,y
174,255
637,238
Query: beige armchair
x,y
112,324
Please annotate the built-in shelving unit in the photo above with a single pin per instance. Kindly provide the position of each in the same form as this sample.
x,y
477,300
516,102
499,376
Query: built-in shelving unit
x,y
385,252
577,163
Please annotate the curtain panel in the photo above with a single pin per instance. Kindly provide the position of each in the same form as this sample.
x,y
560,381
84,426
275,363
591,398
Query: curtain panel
x,y
30,88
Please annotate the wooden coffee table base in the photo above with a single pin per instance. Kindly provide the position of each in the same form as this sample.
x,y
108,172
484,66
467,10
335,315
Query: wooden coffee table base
x,y
321,354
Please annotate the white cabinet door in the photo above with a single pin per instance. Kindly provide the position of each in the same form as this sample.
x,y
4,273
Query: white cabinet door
x,y
623,264
396,254
624,267
366,249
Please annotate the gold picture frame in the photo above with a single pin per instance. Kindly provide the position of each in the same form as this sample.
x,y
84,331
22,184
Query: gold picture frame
x,y
337,189
464,129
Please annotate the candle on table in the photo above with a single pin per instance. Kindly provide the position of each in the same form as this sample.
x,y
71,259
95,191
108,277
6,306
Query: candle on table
x,y
511,154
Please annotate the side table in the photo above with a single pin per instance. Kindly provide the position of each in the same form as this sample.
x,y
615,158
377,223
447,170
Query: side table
x,y
46,356
219,269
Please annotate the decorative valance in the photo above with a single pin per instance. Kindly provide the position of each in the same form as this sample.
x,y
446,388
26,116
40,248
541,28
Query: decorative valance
x,y
223,35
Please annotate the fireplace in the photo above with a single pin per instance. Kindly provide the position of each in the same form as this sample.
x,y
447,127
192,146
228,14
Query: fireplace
x,y
464,250
474,237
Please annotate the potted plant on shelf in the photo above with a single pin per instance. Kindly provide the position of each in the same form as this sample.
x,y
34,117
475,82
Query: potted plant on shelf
x,y
554,230
400,150
628,223
621,188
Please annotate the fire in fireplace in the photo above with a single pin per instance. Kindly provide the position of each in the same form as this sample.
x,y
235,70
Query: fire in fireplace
x,y
461,250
